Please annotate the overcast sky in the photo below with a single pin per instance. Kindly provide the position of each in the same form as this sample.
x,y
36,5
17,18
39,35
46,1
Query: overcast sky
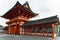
x,y
45,8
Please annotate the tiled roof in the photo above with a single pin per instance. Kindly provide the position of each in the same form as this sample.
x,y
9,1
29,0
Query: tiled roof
x,y
42,21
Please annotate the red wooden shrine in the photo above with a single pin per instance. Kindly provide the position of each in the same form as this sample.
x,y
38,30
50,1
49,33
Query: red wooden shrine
x,y
17,15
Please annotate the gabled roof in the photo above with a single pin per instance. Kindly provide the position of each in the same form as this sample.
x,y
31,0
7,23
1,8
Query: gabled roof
x,y
13,11
42,21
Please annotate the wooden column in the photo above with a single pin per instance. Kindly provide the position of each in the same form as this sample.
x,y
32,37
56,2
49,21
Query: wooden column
x,y
36,31
9,29
18,29
42,31
24,30
12,30
31,30
53,31
47,29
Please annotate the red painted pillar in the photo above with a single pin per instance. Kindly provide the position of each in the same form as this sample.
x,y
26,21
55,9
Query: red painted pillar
x,y
13,31
42,31
53,31
18,29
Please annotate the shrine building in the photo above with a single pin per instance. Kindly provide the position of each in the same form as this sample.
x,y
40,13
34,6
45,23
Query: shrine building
x,y
19,23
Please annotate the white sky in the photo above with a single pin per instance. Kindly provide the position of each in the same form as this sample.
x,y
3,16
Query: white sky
x,y
44,8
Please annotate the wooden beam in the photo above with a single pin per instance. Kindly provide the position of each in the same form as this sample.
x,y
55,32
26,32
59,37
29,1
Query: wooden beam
x,y
17,19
